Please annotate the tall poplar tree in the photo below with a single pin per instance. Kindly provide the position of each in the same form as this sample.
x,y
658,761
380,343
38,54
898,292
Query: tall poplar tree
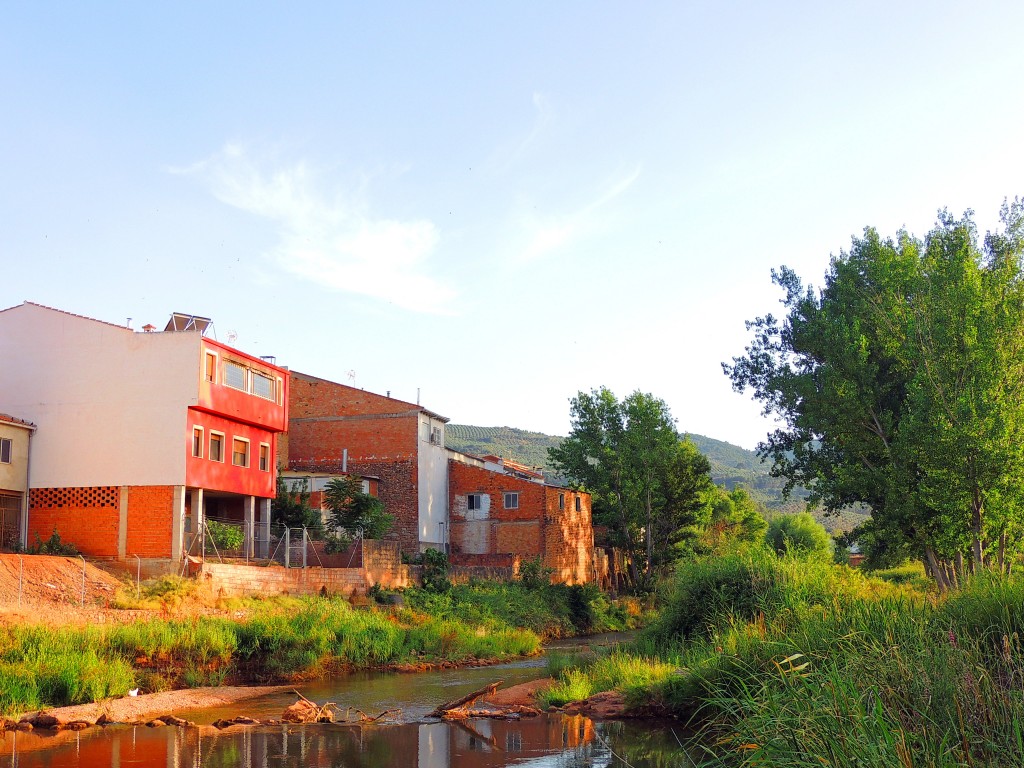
x,y
901,385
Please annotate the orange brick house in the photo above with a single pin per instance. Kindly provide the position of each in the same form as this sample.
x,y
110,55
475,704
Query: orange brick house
x,y
140,435
503,512
334,428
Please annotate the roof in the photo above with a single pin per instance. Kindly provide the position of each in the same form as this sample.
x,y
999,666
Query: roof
x,y
65,312
8,419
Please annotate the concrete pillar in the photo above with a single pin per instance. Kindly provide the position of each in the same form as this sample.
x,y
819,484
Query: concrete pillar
x,y
250,526
178,522
264,528
198,519
122,525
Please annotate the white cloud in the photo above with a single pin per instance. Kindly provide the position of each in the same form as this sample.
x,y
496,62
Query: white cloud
x,y
335,242
552,233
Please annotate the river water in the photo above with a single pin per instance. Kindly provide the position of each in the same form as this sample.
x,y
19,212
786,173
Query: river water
x,y
409,740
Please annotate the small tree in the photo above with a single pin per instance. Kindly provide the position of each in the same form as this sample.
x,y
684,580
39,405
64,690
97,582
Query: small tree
x,y
354,510
799,533
291,507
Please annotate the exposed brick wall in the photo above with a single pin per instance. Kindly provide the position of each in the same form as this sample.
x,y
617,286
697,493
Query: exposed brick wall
x,y
568,536
381,435
150,519
85,517
234,580
326,418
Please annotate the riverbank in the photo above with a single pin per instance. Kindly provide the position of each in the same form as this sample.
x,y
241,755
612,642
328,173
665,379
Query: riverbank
x,y
792,662
196,640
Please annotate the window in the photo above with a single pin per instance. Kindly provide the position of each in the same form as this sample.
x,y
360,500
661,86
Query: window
x,y
234,375
561,501
5,450
240,452
579,504
197,442
435,436
216,446
264,457
511,500
474,501
210,367
262,386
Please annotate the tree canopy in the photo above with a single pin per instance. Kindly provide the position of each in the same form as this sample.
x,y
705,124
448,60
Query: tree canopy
x,y
355,511
647,485
900,384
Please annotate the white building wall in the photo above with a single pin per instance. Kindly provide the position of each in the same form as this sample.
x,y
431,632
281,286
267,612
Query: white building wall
x,y
110,404
433,483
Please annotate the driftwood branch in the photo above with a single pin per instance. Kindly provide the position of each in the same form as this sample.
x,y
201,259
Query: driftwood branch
x,y
469,698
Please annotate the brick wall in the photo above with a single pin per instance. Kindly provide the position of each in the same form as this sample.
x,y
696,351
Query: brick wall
x,y
326,418
385,569
568,536
150,516
504,531
381,436
86,517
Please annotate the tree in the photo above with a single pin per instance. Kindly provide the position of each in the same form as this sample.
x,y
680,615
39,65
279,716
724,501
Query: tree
x,y
646,483
355,511
901,385
799,533
291,506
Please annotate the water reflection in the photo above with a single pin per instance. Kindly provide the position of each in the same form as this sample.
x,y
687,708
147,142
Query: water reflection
x,y
548,741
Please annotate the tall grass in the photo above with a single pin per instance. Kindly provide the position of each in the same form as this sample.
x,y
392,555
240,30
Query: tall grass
x,y
283,639
787,662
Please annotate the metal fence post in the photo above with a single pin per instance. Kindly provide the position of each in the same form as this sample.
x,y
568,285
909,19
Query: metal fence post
x,y
138,577
305,547
287,547
83,580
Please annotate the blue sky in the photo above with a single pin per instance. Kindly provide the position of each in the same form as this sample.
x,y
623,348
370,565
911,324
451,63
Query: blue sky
x,y
497,205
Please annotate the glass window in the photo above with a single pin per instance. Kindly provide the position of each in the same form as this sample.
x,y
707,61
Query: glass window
x,y
264,457
511,500
474,501
579,504
561,501
5,450
210,369
240,452
234,375
262,386
197,442
216,447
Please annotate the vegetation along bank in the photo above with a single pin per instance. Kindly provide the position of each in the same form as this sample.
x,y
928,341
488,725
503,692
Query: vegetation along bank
x,y
284,639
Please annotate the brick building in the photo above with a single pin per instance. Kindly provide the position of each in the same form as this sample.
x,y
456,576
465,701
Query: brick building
x,y
139,435
334,428
503,512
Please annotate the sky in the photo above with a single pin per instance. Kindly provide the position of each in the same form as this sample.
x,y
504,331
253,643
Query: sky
x,y
489,206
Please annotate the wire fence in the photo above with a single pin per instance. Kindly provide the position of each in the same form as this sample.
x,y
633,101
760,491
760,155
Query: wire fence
x,y
225,540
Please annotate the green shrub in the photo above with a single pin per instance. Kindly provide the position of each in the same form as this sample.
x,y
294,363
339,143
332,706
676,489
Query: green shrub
x,y
223,537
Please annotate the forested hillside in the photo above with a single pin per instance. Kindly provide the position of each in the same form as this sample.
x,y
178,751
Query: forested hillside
x,y
730,465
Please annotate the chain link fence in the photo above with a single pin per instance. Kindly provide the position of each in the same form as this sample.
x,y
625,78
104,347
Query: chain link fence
x,y
223,540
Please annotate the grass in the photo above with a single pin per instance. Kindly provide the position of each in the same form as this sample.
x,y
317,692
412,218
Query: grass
x,y
786,662
553,610
282,639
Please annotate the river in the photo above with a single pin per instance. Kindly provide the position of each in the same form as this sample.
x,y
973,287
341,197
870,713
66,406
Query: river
x,y
410,740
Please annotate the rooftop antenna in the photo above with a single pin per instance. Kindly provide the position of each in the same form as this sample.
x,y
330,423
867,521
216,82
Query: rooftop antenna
x,y
232,337
351,376
417,395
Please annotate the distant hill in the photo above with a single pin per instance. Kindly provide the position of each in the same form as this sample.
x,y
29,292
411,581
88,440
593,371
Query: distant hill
x,y
731,466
